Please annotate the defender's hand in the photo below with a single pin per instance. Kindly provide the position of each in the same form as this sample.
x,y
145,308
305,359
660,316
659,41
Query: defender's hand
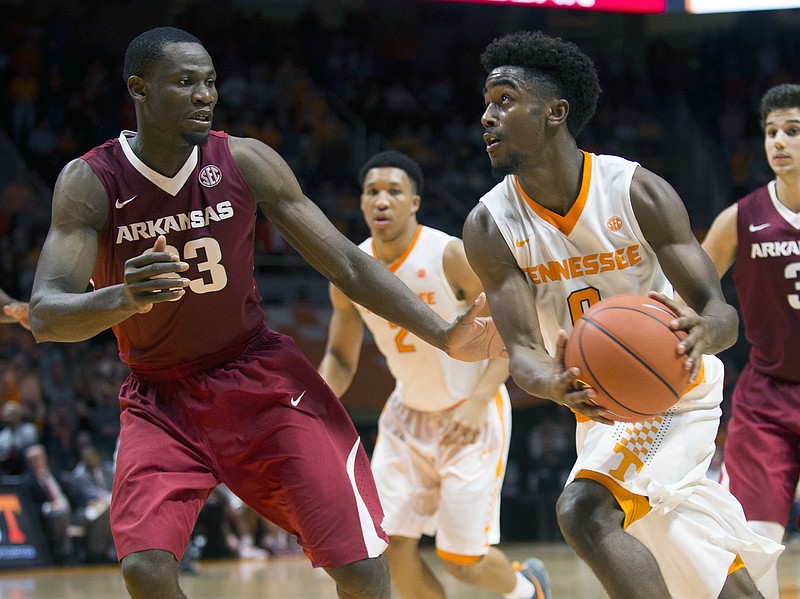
x,y
19,312
472,338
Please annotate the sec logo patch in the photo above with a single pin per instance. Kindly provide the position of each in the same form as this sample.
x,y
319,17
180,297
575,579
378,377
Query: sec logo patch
x,y
614,223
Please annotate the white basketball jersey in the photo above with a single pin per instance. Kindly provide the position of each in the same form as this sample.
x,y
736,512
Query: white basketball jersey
x,y
595,251
427,378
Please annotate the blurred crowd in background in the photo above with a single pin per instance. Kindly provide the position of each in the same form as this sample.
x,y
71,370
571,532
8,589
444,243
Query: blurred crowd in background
x,y
326,87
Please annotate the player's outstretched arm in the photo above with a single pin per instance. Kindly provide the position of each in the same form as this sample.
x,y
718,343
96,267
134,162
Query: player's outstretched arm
x,y
359,276
60,307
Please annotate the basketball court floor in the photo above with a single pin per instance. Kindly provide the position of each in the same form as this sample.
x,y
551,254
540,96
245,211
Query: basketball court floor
x,y
294,578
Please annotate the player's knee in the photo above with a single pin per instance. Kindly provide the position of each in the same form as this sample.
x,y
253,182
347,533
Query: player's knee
x,y
461,567
146,572
582,511
740,585
364,578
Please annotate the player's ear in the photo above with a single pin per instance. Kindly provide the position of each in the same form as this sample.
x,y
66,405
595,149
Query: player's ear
x,y
136,87
557,111
415,202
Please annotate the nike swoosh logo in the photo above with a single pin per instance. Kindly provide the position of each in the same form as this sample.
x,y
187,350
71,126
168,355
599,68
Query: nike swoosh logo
x,y
519,243
753,228
294,401
119,204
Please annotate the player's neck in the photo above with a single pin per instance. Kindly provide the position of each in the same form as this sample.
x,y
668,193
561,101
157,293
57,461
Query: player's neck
x,y
555,184
390,251
788,191
160,155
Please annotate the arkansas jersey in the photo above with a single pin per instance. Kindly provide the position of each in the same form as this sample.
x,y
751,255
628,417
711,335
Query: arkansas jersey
x,y
595,251
427,379
767,278
207,213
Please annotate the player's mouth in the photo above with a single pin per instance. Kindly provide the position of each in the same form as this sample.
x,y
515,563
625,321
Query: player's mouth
x,y
202,117
492,142
381,221
781,158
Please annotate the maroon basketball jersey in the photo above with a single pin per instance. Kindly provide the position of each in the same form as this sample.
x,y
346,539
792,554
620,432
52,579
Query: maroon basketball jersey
x,y
207,213
767,277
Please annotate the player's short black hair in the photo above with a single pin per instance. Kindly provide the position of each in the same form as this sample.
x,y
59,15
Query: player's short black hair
x,y
395,159
146,48
557,65
786,95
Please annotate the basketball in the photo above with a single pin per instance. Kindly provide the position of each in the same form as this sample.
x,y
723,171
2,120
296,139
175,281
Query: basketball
x,y
628,354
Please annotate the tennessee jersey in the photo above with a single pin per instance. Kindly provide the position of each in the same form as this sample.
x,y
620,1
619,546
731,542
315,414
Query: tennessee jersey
x,y
207,213
427,378
596,250
655,469
768,257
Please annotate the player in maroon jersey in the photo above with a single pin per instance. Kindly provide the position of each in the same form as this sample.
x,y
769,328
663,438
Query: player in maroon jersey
x,y
162,222
13,310
761,234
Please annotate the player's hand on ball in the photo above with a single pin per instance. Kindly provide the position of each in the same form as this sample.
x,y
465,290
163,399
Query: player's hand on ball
x,y
568,390
697,332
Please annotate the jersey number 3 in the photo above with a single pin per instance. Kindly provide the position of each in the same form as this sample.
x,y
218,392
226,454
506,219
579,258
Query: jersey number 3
x,y
205,255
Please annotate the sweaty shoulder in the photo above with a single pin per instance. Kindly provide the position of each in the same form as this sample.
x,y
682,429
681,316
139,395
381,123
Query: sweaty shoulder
x,y
650,191
267,173
79,196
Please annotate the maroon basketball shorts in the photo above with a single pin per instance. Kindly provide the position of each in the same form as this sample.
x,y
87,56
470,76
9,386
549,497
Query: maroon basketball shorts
x,y
265,424
762,452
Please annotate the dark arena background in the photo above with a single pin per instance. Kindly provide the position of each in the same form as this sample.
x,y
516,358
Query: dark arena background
x,y
327,83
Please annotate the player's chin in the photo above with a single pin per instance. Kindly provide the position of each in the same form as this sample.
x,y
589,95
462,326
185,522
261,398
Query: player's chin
x,y
196,138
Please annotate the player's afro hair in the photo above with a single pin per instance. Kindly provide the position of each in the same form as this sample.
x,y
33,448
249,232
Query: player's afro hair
x,y
786,95
556,64
146,48
395,159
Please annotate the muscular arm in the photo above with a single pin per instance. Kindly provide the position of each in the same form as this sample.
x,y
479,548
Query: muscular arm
x,y
712,324
358,275
514,311
722,239
343,349
60,308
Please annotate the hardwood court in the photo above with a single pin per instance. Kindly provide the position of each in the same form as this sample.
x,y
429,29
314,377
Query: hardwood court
x,y
294,578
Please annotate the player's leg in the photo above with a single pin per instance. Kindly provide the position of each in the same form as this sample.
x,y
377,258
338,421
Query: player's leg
x,y
297,460
412,578
469,512
151,574
494,573
739,585
160,486
768,582
591,521
363,579
404,464
764,480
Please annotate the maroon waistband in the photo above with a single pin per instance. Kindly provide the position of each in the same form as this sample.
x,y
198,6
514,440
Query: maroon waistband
x,y
255,339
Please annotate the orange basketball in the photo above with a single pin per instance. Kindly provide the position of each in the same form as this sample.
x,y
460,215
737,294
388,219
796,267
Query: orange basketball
x,y
628,354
